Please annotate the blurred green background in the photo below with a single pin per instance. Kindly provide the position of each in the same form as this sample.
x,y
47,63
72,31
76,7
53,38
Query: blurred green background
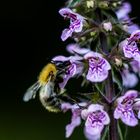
x,y
29,37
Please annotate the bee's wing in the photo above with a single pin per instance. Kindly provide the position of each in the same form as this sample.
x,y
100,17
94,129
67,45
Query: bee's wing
x,y
31,92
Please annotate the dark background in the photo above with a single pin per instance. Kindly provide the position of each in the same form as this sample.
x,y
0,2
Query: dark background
x,y
29,36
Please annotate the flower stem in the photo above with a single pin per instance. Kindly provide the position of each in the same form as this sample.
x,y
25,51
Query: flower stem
x,y
110,93
113,132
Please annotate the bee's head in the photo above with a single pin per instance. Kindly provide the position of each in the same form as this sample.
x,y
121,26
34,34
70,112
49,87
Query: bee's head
x,y
48,73
61,66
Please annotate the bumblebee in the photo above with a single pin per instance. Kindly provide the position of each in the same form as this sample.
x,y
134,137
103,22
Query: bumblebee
x,y
46,86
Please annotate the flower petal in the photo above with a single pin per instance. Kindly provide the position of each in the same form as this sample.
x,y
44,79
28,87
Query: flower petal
x,y
123,43
74,68
126,115
60,58
135,36
90,136
131,51
98,56
76,22
65,106
135,66
70,72
129,79
96,118
129,119
94,108
130,95
124,10
75,49
92,54
84,114
106,119
66,34
76,59
125,106
75,121
136,105
98,67
97,76
139,114
65,12
117,113
132,28
95,129
77,25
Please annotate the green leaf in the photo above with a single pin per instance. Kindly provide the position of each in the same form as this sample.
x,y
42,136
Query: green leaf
x,y
126,132
94,43
117,78
95,97
73,3
100,88
105,133
120,132
109,13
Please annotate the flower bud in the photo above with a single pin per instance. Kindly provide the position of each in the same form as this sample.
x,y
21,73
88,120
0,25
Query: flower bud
x,y
92,33
90,4
107,26
103,4
118,62
115,4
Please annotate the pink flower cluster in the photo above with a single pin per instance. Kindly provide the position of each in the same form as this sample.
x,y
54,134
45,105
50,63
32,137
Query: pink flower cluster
x,y
76,22
94,115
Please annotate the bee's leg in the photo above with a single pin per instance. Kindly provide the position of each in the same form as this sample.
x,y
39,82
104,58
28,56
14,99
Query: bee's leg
x,y
53,101
66,98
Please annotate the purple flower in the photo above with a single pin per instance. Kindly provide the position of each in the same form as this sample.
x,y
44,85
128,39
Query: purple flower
x,y
98,67
123,11
76,22
127,77
74,68
123,16
76,116
124,109
129,46
136,106
135,36
131,28
76,49
135,66
96,118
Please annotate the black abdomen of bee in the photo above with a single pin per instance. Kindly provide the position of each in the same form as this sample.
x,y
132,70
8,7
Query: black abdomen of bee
x,y
52,104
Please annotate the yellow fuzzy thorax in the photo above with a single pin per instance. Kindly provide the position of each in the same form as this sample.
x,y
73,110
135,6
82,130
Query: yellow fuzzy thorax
x,y
47,73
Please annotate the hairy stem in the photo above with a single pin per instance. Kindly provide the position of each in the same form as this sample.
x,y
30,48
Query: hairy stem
x,y
109,88
113,132
110,93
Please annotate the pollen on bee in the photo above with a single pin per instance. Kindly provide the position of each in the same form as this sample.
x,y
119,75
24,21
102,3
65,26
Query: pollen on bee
x,y
47,72
52,109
